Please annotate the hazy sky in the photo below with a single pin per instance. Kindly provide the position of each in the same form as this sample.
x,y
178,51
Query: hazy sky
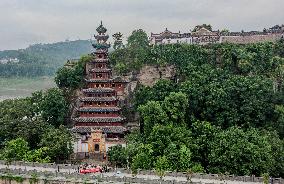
x,y
24,22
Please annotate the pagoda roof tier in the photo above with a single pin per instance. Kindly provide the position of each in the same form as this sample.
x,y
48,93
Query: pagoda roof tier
x,y
105,129
99,119
101,45
98,90
101,37
100,51
98,99
100,60
107,80
100,70
99,109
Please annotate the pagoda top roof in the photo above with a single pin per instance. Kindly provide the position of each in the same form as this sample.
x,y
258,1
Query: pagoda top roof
x,y
98,90
99,109
98,119
101,29
105,129
98,99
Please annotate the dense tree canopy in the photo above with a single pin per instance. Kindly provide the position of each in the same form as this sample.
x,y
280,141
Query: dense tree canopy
x,y
223,114
27,124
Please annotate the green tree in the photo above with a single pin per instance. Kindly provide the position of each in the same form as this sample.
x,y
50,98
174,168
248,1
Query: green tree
x,y
167,140
144,158
138,39
158,92
39,155
277,152
121,68
18,118
15,150
152,113
71,76
184,158
161,165
240,152
54,107
175,105
61,141
117,156
203,134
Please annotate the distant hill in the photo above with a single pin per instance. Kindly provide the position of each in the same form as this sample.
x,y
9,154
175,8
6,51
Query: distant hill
x,y
41,59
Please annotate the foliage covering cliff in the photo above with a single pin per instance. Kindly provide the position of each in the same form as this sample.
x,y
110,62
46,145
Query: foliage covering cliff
x,y
223,113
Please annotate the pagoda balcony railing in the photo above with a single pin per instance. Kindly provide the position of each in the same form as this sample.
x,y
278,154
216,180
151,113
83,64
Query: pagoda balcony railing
x,y
113,105
100,70
99,124
102,37
100,115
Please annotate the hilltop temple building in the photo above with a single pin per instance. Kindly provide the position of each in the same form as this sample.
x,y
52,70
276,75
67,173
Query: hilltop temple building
x,y
99,124
203,36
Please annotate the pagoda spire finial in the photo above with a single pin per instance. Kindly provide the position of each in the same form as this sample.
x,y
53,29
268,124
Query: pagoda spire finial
x,y
101,22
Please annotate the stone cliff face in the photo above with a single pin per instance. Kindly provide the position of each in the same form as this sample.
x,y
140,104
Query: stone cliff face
x,y
147,76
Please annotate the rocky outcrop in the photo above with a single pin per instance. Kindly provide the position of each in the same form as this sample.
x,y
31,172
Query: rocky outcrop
x,y
148,75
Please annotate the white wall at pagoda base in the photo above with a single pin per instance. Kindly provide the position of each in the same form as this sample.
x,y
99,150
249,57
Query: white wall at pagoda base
x,y
79,146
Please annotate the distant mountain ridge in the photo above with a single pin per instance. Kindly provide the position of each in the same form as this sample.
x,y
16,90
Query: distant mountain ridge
x,y
41,59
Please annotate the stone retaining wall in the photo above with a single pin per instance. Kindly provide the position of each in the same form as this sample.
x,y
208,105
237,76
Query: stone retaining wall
x,y
70,172
251,38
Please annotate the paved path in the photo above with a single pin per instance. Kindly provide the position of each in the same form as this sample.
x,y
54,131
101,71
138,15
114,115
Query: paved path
x,y
128,175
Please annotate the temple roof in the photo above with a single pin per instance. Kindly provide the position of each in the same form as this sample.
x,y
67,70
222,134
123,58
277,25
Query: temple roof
x,y
204,32
98,99
98,119
98,90
99,109
105,129
170,35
